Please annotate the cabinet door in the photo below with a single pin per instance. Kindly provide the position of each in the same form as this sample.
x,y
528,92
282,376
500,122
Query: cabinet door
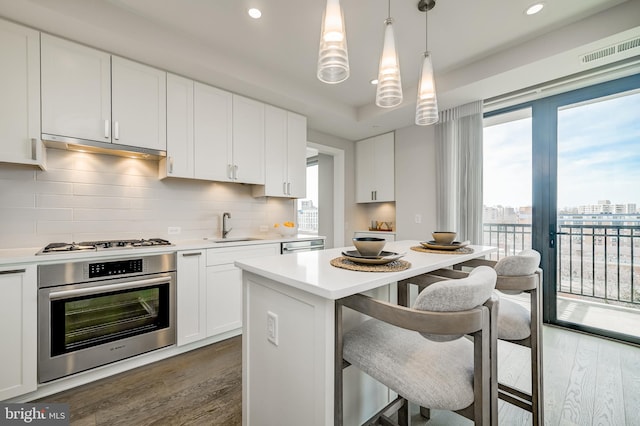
x,y
76,90
18,331
384,168
364,172
191,297
275,175
224,298
375,169
213,141
20,89
297,155
179,160
139,100
224,285
248,140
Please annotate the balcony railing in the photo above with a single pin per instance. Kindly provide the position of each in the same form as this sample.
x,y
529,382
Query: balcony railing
x,y
595,261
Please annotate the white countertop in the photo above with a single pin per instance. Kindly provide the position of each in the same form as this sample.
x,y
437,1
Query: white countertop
x,y
312,272
19,256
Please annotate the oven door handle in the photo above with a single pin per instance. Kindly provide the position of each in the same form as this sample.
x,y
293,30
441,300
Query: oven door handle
x,y
65,294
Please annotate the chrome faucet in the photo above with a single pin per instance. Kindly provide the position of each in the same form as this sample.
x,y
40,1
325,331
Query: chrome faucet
x,y
225,231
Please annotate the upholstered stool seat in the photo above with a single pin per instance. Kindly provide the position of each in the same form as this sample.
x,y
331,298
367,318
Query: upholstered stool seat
x,y
422,353
433,374
514,320
519,274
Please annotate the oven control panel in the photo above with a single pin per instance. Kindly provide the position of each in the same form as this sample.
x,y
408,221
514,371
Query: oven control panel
x,y
118,267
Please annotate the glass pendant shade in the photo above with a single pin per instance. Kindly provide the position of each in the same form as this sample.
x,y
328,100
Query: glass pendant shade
x,y
427,103
389,90
333,59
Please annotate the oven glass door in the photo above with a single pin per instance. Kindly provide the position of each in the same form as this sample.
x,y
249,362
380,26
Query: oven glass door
x,y
92,319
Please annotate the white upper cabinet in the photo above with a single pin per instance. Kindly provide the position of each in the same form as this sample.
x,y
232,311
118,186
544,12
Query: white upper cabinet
x,y
76,90
212,134
375,170
82,87
179,161
139,104
20,95
285,154
248,141
213,146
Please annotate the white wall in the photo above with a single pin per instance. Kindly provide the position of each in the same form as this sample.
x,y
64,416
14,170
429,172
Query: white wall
x,y
350,211
325,198
85,196
415,182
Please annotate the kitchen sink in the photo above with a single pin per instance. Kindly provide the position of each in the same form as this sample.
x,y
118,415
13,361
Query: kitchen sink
x,y
234,240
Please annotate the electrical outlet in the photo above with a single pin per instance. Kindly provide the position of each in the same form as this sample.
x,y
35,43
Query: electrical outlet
x,y
174,230
272,327
418,218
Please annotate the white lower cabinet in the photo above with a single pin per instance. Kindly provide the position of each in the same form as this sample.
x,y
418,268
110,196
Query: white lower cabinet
x,y
224,285
191,297
224,302
209,295
18,331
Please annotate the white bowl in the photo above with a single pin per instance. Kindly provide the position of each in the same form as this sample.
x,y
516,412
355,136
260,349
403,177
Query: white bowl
x,y
285,231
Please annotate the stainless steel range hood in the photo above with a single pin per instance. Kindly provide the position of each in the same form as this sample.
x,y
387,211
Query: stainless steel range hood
x,y
85,145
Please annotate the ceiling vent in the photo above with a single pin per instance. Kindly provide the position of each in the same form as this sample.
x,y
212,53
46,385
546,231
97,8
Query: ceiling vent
x,y
616,49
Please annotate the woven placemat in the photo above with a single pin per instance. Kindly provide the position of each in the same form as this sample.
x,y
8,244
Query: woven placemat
x,y
461,250
395,266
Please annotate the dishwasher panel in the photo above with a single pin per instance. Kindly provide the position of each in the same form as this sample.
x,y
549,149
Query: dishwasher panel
x,y
298,246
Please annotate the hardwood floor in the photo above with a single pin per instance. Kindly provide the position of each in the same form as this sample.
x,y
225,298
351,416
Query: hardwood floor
x,y
201,387
587,381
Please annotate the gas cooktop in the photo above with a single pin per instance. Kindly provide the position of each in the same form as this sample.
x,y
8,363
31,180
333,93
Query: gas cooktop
x,y
102,245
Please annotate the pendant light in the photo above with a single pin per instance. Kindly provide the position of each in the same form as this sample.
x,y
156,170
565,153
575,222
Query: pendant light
x,y
333,59
427,102
389,89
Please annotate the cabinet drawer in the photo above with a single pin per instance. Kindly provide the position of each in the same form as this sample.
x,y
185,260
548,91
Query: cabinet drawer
x,y
220,256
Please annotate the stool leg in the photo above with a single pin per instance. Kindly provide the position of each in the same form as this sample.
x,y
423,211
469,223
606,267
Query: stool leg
x,y
537,400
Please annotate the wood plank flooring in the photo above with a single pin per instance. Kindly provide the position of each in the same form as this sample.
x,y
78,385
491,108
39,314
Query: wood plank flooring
x,y
201,387
588,381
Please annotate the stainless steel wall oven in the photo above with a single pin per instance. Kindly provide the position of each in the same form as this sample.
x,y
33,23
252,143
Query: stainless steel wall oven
x,y
91,313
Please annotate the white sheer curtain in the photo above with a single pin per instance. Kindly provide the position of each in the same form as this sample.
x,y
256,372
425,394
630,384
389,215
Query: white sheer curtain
x,y
459,171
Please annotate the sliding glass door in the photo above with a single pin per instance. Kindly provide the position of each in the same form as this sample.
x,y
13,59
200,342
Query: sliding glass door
x,y
585,216
597,221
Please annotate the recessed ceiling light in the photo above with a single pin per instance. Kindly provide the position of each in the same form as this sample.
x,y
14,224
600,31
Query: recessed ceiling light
x,y
374,81
534,8
255,13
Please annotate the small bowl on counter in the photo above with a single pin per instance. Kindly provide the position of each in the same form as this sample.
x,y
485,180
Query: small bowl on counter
x,y
286,229
443,237
369,246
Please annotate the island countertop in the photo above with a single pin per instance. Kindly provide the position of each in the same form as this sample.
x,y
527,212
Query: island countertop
x,y
312,272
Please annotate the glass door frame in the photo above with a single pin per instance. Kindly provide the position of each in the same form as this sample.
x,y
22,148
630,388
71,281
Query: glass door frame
x,y
544,136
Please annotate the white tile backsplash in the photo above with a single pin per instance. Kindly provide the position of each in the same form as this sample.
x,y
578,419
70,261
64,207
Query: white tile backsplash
x,y
83,196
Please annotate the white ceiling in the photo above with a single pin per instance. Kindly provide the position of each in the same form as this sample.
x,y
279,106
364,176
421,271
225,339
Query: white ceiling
x,y
474,45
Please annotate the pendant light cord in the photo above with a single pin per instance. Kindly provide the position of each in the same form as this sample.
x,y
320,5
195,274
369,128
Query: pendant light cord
x,y
426,30
389,11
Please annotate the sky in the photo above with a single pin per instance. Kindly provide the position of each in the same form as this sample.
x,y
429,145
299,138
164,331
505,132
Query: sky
x,y
598,156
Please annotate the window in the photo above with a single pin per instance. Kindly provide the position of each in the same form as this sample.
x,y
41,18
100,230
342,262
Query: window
x,y
308,207
507,181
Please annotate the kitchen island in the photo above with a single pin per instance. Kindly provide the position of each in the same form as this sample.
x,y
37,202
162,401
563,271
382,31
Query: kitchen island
x,y
288,333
